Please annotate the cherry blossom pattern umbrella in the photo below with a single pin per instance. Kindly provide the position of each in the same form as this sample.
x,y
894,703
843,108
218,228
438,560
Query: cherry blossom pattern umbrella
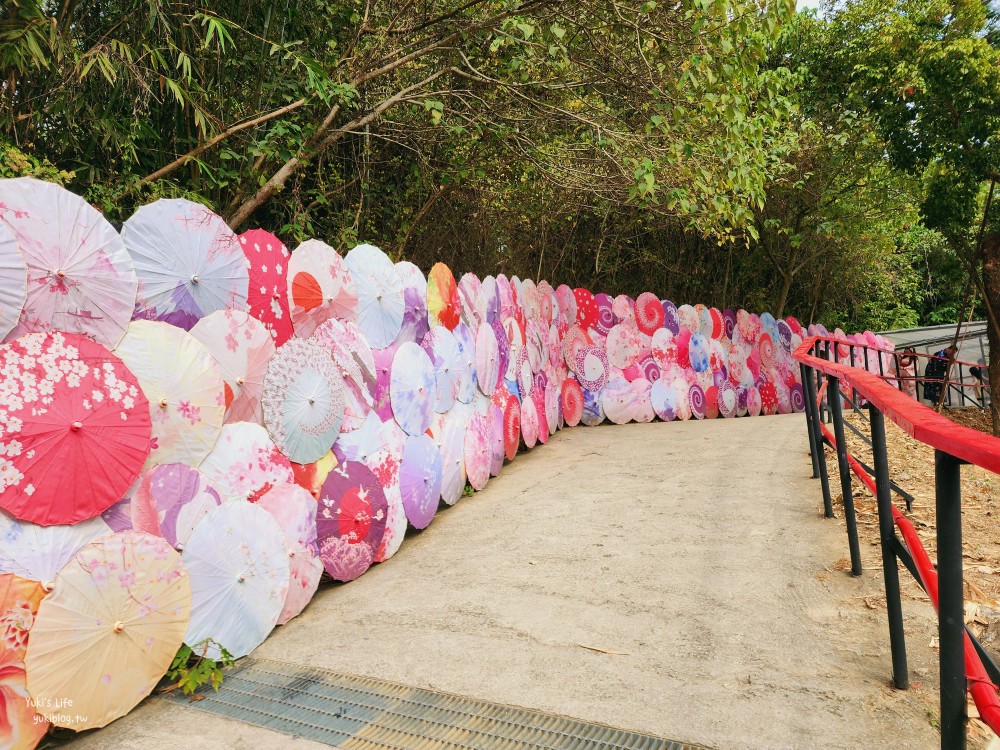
x,y
385,465
238,562
351,520
362,443
727,399
468,297
320,287
642,403
245,463
184,386
443,306
618,398
40,552
354,359
80,278
442,348
567,304
420,480
188,261
303,400
109,629
488,301
571,398
415,322
168,501
663,398
74,428
13,280
412,388
381,401
242,347
380,294
478,452
267,294
495,420
573,341
452,446
20,727
295,511
623,345
487,359
529,423
522,369
592,367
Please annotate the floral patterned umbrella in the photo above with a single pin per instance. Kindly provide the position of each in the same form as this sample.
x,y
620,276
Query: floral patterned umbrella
x,y
13,280
238,562
420,480
487,359
488,301
452,446
20,727
168,501
415,322
468,297
303,400
40,552
356,363
295,511
351,520
381,401
443,306
109,629
511,427
267,295
412,388
592,368
80,277
320,287
623,345
529,423
567,304
245,463
74,428
188,261
663,399
495,419
478,452
586,308
380,294
618,398
242,347
184,386
571,397
466,375
446,358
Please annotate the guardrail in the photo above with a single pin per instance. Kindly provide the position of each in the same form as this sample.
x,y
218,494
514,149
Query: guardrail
x,y
963,664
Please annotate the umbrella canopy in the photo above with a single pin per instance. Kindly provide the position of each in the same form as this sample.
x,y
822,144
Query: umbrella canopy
x,y
381,401
605,314
385,465
663,399
242,347
623,345
168,501
593,409
452,446
415,322
20,727
40,552
80,277
592,367
245,463
478,452
350,521
311,477
727,399
466,341
618,400
649,313
295,511
267,295
238,563
188,261
13,280
303,400
184,386
495,419
109,629
446,357
696,397
74,428
529,423
320,287
523,372
468,297
642,404
511,427
362,443
380,294
420,480
488,301
487,359
586,308
443,306
356,363
571,398
412,388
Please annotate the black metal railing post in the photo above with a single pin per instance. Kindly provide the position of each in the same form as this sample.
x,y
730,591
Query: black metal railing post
x,y
887,533
951,605
810,408
836,409
819,442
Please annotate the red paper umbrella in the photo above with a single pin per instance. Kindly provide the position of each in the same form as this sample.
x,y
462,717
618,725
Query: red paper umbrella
x,y
648,313
511,427
718,324
587,312
768,398
267,294
712,402
571,397
74,428
443,306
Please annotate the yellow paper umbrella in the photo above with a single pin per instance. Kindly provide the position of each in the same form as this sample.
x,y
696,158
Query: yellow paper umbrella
x,y
108,631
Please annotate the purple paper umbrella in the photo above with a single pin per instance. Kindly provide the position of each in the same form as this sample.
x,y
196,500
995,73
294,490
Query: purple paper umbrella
x,y
350,520
420,480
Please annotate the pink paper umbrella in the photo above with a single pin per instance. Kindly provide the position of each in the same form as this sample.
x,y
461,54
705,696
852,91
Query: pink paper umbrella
x,y
538,397
623,308
468,297
415,321
648,313
768,399
80,278
295,511
353,357
696,397
13,280
642,404
571,396
511,427
618,399
754,402
605,314
442,347
478,452
350,520
623,345
495,419
412,388
381,403
529,423
592,367
567,304
267,295
245,463
573,341
242,347
420,480
586,308
188,261
453,476
385,465
320,287
487,359
552,406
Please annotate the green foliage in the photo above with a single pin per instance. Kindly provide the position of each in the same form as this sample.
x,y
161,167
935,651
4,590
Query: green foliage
x,y
191,668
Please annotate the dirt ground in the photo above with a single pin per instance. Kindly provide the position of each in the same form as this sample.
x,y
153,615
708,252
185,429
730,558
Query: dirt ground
x,y
676,579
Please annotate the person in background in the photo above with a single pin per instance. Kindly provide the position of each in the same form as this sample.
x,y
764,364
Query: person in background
x,y
934,374
907,370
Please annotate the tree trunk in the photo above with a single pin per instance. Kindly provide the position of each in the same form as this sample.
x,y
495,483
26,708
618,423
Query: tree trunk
x,y
991,287
786,285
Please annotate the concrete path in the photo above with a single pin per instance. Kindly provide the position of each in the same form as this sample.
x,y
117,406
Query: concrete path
x,y
675,579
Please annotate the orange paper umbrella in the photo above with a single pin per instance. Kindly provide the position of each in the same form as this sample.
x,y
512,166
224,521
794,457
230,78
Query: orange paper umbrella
x,y
443,306
20,727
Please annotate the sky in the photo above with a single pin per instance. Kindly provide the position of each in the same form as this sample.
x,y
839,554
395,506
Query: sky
x,y
807,4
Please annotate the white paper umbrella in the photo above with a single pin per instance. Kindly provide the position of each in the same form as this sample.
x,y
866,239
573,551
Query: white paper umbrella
x,y
320,287
238,565
380,294
184,386
354,358
80,277
466,341
242,346
13,280
411,388
245,463
452,445
40,552
441,346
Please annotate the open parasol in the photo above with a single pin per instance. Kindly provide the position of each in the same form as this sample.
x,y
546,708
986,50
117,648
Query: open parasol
x,y
20,727
13,280
380,294
350,520
356,363
245,463
443,306
592,367
441,346
40,552
452,447
478,451
420,480
571,398
267,294
415,321
412,388
320,287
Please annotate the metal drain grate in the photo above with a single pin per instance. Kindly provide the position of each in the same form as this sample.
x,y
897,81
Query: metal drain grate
x,y
357,713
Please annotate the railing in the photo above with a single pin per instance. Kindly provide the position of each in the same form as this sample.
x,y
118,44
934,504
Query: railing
x,y
962,662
